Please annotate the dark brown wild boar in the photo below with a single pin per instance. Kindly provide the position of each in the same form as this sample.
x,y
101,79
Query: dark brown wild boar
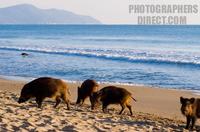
x,y
191,109
113,95
45,87
87,88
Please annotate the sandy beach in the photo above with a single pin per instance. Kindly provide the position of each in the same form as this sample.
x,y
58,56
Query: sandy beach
x,y
156,110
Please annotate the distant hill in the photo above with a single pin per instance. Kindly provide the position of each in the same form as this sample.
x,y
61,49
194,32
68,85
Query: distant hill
x,y
29,14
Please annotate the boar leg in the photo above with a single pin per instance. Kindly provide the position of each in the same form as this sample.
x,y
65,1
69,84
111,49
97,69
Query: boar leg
x,y
104,107
130,109
123,107
82,101
193,122
39,101
91,102
64,97
58,100
68,104
188,122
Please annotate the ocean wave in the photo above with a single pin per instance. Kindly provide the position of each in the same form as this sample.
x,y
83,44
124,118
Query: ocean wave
x,y
135,39
120,55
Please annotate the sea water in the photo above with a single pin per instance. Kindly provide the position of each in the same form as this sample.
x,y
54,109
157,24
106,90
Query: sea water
x,y
159,56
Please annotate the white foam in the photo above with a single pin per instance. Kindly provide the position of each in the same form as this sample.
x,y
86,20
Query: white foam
x,y
147,56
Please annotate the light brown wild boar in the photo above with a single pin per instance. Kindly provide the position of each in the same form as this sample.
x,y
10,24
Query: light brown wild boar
x,y
113,95
45,87
87,88
191,109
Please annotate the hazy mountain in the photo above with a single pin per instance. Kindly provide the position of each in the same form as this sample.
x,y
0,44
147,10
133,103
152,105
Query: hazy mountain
x,y
28,14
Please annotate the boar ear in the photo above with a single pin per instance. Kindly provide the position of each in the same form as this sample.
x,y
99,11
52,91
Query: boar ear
x,y
182,100
192,100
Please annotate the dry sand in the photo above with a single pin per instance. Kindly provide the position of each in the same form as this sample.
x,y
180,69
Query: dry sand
x,y
156,110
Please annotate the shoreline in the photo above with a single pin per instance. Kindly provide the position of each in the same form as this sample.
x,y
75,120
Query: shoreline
x,y
27,79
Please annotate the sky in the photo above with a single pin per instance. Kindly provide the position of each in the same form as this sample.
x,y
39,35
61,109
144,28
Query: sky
x,y
106,11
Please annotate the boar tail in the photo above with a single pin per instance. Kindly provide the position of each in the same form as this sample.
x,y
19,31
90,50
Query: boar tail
x,y
134,99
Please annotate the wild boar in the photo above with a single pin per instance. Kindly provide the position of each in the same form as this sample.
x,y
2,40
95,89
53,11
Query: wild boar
x,y
190,108
45,87
113,95
87,88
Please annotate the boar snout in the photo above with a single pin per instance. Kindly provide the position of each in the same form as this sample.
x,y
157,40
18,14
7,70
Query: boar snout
x,y
22,100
